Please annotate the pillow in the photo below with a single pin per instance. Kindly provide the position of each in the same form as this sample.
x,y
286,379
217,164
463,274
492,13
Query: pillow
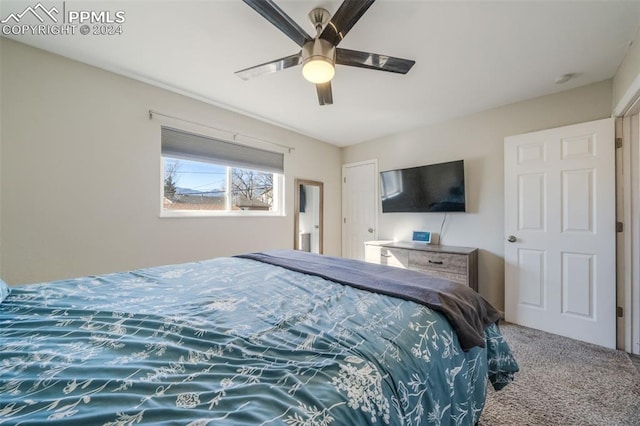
x,y
4,290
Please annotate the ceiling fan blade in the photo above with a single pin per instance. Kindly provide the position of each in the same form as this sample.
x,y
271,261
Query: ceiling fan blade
x,y
269,67
373,61
325,97
349,12
272,13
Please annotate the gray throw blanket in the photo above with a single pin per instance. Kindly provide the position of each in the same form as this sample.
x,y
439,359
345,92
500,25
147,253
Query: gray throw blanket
x,y
467,311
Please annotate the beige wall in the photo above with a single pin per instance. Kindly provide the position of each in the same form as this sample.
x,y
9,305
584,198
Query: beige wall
x,y
627,76
479,140
80,174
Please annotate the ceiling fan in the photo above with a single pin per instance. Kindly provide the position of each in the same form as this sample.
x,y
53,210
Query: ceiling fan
x,y
319,55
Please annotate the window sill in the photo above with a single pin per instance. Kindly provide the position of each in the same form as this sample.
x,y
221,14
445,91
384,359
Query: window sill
x,y
201,213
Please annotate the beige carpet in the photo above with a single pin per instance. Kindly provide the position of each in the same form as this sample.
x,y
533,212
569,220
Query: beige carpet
x,y
564,382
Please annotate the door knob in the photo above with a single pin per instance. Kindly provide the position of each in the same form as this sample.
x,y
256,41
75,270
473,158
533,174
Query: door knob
x,y
511,238
370,230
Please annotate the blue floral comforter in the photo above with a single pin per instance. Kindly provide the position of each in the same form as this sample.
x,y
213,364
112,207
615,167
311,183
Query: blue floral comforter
x,y
238,342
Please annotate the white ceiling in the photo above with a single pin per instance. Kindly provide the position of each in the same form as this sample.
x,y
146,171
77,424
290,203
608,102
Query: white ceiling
x,y
470,56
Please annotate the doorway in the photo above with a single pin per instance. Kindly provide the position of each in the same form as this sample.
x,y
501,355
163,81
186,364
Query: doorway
x,y
359,207
308,215
628,196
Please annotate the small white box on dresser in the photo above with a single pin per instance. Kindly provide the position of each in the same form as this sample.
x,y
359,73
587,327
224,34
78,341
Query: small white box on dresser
x,y
459,264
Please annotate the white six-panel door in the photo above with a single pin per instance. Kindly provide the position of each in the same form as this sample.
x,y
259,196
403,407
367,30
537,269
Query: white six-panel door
x,y
360,201
560,231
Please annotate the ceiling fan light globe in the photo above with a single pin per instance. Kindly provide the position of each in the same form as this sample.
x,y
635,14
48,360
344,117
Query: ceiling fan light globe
x,y
318,70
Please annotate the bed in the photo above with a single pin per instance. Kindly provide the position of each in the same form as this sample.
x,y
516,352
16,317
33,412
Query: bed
x,y
268,338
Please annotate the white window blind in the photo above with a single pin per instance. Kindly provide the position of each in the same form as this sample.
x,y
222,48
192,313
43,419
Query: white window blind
x,y
189,146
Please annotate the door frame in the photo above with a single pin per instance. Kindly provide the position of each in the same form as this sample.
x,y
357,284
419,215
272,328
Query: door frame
x,y
376,185
627,212
296,211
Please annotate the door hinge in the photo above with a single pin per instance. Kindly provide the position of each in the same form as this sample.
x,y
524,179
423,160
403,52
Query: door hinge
x,y
344,220
619,311
619,227
618,142
344,180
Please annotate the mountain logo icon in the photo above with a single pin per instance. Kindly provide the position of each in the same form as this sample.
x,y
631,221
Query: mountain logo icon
x,y
38,11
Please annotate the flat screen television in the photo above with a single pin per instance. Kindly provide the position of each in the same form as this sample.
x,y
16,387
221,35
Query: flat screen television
x,y
430,188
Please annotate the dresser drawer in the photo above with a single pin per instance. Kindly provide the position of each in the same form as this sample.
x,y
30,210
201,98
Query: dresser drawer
x,y
449,263
457,278
386,256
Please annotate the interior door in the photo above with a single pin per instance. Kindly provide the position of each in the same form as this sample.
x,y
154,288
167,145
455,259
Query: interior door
x,y
359,207
560,265
315,219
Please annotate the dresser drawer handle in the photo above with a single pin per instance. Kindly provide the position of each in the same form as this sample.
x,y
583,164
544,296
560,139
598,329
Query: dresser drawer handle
x,y
385,255
436,262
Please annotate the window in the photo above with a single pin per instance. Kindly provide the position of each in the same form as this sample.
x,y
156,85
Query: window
x,y
206,176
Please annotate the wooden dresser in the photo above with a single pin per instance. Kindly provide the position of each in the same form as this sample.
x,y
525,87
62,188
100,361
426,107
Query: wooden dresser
x,y
459,264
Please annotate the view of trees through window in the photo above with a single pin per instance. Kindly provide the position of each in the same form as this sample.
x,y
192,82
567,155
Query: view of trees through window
x,y
194,185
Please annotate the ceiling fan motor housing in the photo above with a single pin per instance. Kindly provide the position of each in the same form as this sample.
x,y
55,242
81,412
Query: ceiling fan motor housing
x,y
318,49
